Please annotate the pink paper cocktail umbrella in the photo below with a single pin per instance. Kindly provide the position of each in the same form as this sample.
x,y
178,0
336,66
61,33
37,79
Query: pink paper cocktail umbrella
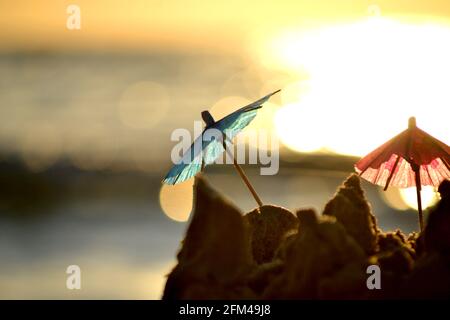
x,y
412,158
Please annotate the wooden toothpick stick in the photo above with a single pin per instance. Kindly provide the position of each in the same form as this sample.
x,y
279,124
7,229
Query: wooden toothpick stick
x,y
244,177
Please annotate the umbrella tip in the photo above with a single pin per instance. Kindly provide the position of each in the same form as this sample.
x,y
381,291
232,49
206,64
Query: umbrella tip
x,y
412,122
207,118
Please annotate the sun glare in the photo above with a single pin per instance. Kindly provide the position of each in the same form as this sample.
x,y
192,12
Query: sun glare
x,y
429,197
404,199
364,80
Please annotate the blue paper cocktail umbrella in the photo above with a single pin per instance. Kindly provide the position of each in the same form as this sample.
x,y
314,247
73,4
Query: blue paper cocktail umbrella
x,y
209,145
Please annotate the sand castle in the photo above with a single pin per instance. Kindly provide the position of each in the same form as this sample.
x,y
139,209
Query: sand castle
x,y
272,253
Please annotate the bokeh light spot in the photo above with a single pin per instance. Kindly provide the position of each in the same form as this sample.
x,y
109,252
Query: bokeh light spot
x,y
393,198
176,201
428,193
227,105
41,146
93,148
405,199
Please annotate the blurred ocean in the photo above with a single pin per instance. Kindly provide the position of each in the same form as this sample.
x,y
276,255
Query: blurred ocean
x,y
120,106
81,160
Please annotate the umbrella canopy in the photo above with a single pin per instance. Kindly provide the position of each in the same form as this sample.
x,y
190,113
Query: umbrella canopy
x,y
412,158
395,162
205,151
207,147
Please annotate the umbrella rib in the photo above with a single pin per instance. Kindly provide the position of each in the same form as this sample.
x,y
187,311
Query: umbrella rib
x,y
446,163
378,174
362,172
392,173
379,171
376,158
429,175
369,165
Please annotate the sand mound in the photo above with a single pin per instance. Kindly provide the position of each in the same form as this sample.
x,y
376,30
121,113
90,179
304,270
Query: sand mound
x,y
270,253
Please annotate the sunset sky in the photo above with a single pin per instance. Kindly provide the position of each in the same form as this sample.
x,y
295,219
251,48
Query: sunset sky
x,y
351,74
187,25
